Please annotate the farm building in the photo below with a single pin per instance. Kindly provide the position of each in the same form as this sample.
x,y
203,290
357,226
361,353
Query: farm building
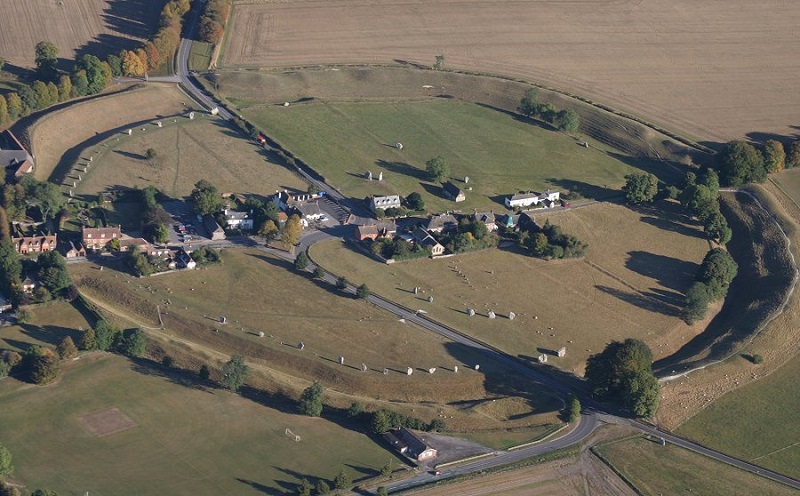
x,y
410,444
13,156
384,202
238,220
215,231
96,238
34,244
374,231
487,218
453,192
547,199
426,240
442,222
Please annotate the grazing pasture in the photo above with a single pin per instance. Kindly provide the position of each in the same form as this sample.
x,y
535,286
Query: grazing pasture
x,y
500,154
685,65
670,469
76,27
256,293
187,151
627,285
112,426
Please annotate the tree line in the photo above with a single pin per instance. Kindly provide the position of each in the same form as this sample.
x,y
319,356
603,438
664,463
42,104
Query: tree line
x,y
90,74
213,20
530,106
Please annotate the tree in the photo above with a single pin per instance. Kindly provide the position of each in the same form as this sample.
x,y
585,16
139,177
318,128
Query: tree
x,y
8,490
15,105
568,120
88,340
4,118
304,489
211,31
437,169
98,73
44,366
135,343
573,408
44,195
206,197
529,105
740,163
204,373
105,335
115,63
699,200
311,400
151,153
774,156
382,491
341,282
132,65
52,90
439,64
29,101
10,268
167,361
6,467
414,201
269,230
716,227
46,60
319,272
640,188
622,372
64,88
42,94
80,84
234,373
355,410
301,261
160,233
342,480
717,271
44,492
792,153
697,300
292,231
322,487
66,349
362,292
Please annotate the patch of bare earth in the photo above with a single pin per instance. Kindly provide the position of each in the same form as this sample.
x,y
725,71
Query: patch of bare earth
x,y
716,69
107,422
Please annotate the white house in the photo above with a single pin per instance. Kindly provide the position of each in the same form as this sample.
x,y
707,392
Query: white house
x,y
238,220
384,202
546,198
308,211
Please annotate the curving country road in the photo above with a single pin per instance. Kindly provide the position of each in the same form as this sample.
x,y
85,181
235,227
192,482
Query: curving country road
x,y
591,417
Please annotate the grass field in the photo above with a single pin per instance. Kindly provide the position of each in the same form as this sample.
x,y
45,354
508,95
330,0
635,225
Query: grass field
x,y
188,150
75,27
685,65
626,286
54,136
47,326
200,56
183,440
499,154
257,294
656,469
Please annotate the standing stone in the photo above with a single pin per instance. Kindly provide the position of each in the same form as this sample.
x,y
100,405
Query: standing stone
x,y
432,370
261,334
562,352
512,316
471,312
542,358
455,369
385,371
409,371
416,289
466,179
363,367
159,124
130,132
301,345
369,175
477,367
91,158
341,360
491,314
380,176
191,115
430,299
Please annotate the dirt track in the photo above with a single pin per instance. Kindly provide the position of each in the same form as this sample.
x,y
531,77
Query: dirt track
x,y
715,69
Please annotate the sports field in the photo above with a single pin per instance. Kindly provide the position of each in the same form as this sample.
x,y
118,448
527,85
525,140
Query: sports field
x,y
628,285
685,65
109,426
656,469
256,293
76,27
500,154
187,151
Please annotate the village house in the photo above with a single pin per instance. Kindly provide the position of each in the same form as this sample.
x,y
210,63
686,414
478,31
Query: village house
x,y
141,244
308,211
487,218
238,220
527,223
384,202
13,156
97,238
27,245
183,260
547,199
410,444
72,249
426,240
215,231
453,192
442,222
374,231
285,200
29,284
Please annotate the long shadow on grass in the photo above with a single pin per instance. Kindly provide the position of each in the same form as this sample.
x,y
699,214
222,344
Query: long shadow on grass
x,y
265,489
647,300
50,334
402,168
180,377
669,272
585,190
518,117
765,274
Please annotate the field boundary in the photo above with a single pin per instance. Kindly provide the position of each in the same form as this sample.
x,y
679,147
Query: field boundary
x,y
593,450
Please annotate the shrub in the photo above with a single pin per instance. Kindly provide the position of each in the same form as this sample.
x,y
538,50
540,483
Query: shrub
x,y
167,361
66,349
341,282
757,359
319,272
362,292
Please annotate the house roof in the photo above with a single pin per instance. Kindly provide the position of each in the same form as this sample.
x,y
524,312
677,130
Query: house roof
x,y
234,215
415,443
13,154
451,188
485,217
442,221
211,224
424,238
371,230
386,201
524,196
308,208
128,242
101,232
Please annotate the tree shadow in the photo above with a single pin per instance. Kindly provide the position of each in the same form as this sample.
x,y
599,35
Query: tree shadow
x,y
402,168
669,272
519,117
642,299
177,376
585,190
135,156
265,489
50,334
433,189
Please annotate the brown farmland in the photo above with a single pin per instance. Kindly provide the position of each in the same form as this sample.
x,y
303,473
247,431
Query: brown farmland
x,y
76,27
715,69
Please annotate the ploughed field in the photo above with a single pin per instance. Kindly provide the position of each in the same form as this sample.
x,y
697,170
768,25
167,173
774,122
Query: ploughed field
x,y
713,70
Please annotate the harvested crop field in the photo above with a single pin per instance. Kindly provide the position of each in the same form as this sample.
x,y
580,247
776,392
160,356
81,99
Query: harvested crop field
x,y
187,151
76,27
685,65
54,136
256,293
627,285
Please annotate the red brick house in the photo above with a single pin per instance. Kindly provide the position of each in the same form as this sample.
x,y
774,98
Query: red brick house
x,y
96,238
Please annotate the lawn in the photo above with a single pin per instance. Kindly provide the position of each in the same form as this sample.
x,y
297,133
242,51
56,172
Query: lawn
x,y
47,326
256,293
187,151
628,285
184,440
500,154
656,469
757,422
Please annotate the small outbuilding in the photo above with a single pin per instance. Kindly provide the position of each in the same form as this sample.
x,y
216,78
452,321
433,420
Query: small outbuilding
x,y
410,444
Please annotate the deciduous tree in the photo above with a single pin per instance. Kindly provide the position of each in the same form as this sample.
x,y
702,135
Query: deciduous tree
x,y
6,467
529,104
135,343
64,88
774,156
311,400
362,292
234,373
292,231
4,118
66,349
15,105
740,163
568,120
342,480
206,197
301,261
437,168
46,60
44,366
88,340
640,188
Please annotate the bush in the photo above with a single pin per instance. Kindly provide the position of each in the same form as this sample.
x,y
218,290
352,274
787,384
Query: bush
x,y
167,361
204,373
341,282
757,359
301,261
44,365
66,349
362,292
319,272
